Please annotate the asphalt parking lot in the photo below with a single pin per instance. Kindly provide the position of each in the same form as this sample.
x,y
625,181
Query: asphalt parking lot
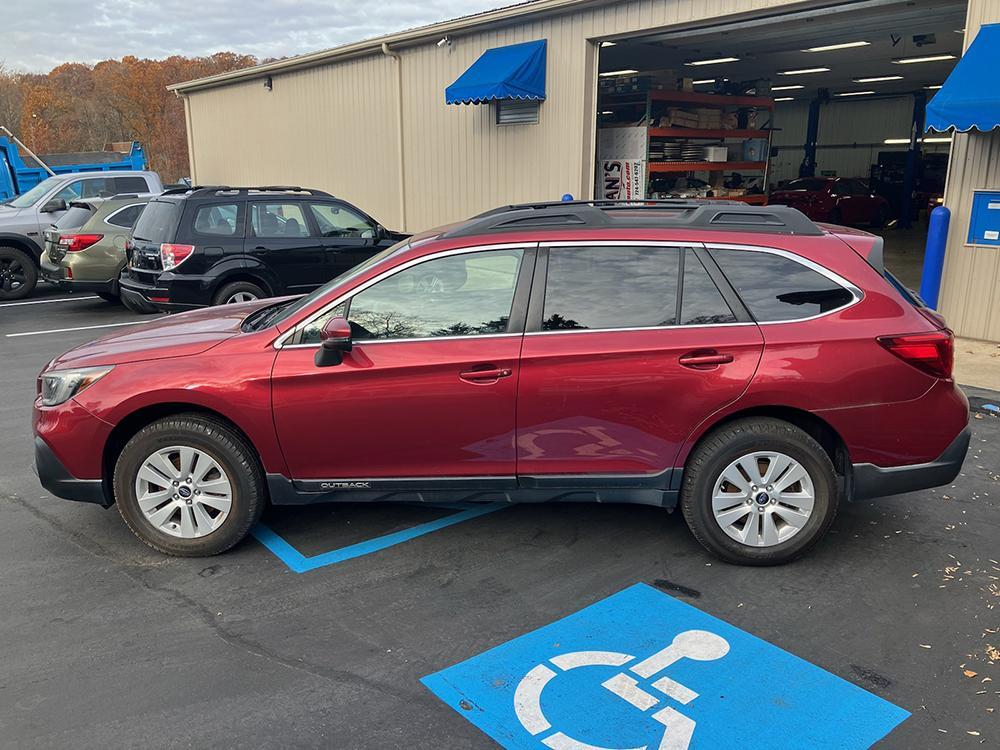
x,y
317,633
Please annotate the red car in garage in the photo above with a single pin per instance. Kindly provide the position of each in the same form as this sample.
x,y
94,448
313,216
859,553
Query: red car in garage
x,y
838,200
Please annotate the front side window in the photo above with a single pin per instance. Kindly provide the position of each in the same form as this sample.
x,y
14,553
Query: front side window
x,y
339,221
459,295
216,219
272,220
611,287
776,288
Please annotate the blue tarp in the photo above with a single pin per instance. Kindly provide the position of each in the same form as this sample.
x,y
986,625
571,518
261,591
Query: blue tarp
x,y
513,72
970,98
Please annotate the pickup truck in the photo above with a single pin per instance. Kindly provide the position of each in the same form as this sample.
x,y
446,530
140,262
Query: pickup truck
x,y
24,219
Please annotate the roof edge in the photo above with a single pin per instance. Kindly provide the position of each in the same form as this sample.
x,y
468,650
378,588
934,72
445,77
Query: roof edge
x,y
370,46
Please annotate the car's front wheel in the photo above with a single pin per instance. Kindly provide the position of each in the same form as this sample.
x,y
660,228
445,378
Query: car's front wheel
x,y
18,273
759,491
189,485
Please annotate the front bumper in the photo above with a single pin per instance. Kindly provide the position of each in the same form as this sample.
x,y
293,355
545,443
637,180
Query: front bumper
x,y
875,481
57,479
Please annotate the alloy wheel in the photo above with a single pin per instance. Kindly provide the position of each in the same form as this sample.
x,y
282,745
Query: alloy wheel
x,y
763,498
238,297
183,492
12,274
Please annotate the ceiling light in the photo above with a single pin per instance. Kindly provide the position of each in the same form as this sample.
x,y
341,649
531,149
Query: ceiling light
x,y
785,99
878,79
713,61
937,140
607,112
831,47
790,87
929,58
608,44
854,93
906,141
933,88
896,141
803,71
626,72
704,80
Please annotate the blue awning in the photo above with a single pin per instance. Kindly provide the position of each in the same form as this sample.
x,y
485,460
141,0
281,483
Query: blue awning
x,y
513,72
970,98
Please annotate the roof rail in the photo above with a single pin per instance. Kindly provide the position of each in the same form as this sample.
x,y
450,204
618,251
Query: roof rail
x,y
720,215
203,189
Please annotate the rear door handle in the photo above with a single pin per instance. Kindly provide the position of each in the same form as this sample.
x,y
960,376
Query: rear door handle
x,y
705,359
481,376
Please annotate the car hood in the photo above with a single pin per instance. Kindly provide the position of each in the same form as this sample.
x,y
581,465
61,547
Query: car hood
x,y
171,336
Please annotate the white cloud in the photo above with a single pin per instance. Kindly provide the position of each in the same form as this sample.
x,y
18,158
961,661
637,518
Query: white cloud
x,y
37,35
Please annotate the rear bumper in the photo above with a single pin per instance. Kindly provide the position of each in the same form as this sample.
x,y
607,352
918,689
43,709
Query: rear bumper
x,y
55,274
151,295
875,481
57,479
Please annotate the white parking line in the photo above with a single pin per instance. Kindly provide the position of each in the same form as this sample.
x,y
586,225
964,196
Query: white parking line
x,y
46,301
80,328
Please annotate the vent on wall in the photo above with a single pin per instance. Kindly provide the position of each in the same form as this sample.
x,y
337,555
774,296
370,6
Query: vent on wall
x,y
517,111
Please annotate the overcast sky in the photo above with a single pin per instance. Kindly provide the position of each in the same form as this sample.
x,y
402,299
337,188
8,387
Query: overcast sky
x,y
37,35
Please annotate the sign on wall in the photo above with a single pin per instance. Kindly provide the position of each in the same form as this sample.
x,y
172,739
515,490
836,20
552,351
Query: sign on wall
x,y
621,179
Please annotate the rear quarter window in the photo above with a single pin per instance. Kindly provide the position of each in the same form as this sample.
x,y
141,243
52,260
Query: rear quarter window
x,y
157,222
776,288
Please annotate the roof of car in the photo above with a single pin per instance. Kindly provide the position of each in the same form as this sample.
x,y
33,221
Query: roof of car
x,y
202,191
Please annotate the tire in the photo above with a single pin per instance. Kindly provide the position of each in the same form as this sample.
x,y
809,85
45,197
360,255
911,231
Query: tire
x,y
220,455
881,217
704,479
137,305
112,299
18,273
238,291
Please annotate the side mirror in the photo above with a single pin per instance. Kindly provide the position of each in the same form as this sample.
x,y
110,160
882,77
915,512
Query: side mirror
x,y
336,339
56,204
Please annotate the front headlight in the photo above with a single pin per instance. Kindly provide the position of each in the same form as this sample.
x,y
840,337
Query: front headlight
x,y
59,386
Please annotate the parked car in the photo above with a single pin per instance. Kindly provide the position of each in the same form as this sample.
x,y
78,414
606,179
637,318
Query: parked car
x,y
85,249
195,247
23,219
736,361
834,199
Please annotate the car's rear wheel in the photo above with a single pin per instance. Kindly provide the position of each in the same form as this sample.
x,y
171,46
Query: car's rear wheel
x,y
237,292
18,273
759,491
189,485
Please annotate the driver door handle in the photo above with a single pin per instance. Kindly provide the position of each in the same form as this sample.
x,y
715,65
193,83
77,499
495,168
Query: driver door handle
x,y
705,359
485,376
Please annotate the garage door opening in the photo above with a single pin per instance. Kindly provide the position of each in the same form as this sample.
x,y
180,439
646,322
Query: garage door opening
x,y
819,109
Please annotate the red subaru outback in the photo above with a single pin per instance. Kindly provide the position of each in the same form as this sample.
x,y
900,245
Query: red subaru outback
x,y
741,362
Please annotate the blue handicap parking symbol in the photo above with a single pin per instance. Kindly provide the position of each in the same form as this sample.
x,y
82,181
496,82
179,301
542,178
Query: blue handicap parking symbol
x,y
643,670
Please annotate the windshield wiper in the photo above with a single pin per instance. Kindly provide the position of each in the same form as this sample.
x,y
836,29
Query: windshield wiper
x,y
259,320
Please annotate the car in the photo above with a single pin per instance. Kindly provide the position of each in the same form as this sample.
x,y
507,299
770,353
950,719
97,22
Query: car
x,y
24,218
738,362
837,200
200,246
85,249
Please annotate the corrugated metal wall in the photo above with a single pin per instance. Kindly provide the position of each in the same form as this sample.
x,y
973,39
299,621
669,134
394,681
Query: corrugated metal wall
x,y
970,292
334,126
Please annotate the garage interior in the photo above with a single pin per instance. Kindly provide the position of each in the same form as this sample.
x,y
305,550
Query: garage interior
x,y
740,110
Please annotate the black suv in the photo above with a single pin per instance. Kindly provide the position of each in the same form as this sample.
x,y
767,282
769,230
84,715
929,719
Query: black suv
x,y
200,246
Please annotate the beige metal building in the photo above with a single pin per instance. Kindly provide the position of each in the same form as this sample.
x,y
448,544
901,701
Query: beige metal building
x,y
368,121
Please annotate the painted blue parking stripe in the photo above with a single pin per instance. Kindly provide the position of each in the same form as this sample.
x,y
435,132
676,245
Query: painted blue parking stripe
x,y
299,563
641,669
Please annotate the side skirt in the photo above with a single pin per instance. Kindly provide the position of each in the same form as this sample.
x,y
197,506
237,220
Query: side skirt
x,y
660,490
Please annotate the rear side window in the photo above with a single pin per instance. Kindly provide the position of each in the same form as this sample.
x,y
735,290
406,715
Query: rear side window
x,y
75,217
125,217
157,222
776,288
277,220
131,185
611,287
217,219
702,303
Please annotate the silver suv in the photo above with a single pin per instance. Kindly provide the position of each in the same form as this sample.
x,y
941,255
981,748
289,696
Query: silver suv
x,y
24,219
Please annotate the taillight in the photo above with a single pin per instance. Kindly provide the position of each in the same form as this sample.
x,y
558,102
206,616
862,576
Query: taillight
x,y
172,255
934,353
74,243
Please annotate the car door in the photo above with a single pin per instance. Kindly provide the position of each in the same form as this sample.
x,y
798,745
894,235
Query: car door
x,y
429,387
284,240
349,237
621,361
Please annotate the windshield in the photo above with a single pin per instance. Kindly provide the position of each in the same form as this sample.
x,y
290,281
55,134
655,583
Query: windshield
x,y
303,302
32,196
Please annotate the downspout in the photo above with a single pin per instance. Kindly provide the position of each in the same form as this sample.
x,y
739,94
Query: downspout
x,y
399,134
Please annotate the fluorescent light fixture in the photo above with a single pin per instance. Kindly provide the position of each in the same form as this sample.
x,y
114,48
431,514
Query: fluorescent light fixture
x,y
626,72
803,71
878,79
854,93
896,141
607,112
928,58
831,47
704,80
942,139
785,99
906,141
791,87
934,88
608,44
713,61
